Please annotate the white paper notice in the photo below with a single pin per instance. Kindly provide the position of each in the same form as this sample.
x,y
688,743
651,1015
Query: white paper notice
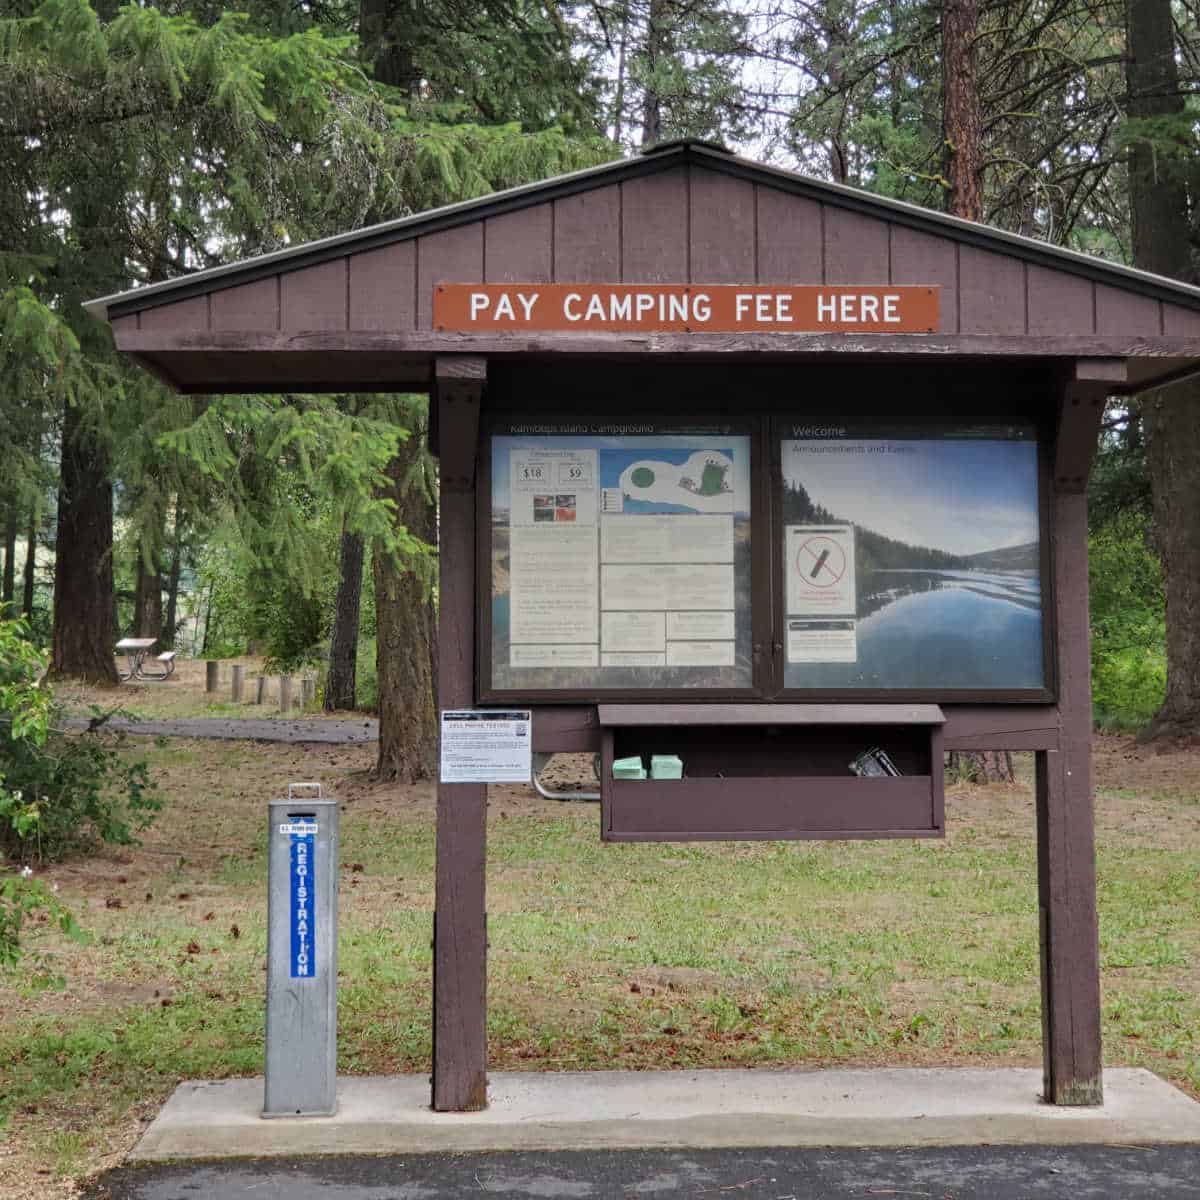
x,y
633,631
551,487
822,642
700,654
552,656
662,587
553,584
633,660
819,561
673,538
486,746
700,626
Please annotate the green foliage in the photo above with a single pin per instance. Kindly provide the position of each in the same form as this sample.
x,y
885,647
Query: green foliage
x,y
1128,623
24,720
59,792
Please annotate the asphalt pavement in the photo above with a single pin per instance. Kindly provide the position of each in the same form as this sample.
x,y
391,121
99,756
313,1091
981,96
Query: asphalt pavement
x,y
941,1173
335,730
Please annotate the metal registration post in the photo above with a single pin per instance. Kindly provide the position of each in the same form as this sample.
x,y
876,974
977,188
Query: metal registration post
x,y
301,1066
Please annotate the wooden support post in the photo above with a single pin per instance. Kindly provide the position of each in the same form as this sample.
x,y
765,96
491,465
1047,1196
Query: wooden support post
x,y
308,690
260,690
212,676
237,679
285,693
460,918
1070,948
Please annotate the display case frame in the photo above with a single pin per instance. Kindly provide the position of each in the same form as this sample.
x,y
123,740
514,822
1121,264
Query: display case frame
x,y
764,419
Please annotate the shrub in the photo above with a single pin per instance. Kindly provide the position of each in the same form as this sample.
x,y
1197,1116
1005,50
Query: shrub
x,y
1129,672
58,792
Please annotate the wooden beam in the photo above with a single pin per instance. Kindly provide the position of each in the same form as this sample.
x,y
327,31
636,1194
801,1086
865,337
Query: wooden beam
x,y
1070,953
835,345
559,729
1001,727
460,916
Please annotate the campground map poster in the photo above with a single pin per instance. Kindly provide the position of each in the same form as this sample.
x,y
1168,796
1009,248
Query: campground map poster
x,y
912,559
621,561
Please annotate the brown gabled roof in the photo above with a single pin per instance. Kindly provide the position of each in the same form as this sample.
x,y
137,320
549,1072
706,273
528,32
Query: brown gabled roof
x,y
660,158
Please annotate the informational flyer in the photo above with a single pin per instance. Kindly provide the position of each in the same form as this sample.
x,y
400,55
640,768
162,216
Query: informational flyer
x,y
621,561
822,641
820,570
486,746
553,588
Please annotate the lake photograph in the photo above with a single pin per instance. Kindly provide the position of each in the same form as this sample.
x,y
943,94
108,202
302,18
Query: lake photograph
x,y
947,559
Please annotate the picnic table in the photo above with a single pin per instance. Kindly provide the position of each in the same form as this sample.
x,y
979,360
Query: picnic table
x,y
136,651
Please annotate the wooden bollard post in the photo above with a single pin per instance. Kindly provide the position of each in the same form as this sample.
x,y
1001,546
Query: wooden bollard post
x,y
285,693
308,690
236,680
260,691
212,676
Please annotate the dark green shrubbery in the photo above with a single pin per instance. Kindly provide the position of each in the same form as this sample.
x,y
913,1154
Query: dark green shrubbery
x,y
59,792
1129,657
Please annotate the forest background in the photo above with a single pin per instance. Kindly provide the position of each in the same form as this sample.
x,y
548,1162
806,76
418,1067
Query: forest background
x,y
141,142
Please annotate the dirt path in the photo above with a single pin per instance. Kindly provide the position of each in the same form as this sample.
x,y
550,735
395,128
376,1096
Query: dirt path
x,y
339,732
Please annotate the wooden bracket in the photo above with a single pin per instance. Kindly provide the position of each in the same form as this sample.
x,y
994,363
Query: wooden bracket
x,y
458,385
460,368
1084,389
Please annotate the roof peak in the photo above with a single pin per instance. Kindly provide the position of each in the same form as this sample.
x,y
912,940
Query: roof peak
x,y
685,143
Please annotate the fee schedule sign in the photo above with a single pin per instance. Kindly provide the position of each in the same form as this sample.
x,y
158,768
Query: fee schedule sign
x,y
680,308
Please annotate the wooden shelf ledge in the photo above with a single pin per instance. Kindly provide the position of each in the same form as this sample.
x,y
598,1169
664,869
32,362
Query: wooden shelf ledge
x,y
614,715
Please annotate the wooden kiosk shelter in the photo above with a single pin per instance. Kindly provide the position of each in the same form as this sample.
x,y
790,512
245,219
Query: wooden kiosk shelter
x,y
740,467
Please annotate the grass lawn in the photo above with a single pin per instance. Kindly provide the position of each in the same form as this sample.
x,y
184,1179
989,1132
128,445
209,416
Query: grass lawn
x,y
754,954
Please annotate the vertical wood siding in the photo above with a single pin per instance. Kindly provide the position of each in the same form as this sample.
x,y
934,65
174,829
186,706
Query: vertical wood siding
x,y
383,288
315,297
587,237
519,246
856,247
918,258
789,238
991,292
452,256
654,228
180,317
1057,303
251,306
1124,312
721,228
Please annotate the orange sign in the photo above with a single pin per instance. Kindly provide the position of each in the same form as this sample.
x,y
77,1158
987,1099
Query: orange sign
x,y
679,308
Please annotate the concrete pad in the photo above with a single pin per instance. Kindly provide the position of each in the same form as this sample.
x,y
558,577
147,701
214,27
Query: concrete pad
x,y
639,1110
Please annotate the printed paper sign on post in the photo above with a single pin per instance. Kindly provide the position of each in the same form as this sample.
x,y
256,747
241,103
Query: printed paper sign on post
x,y
486,746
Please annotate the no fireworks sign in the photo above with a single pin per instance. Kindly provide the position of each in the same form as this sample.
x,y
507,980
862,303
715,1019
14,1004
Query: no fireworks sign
x,y
820,571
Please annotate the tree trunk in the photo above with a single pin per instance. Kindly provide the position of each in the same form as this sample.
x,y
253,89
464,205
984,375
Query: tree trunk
x,y
147,606
83,578
404,618
31,541
171,620
1157,194
961,126
8,588
1172,426
1171,418
404,615
658,37
386,35
982,766
340,689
